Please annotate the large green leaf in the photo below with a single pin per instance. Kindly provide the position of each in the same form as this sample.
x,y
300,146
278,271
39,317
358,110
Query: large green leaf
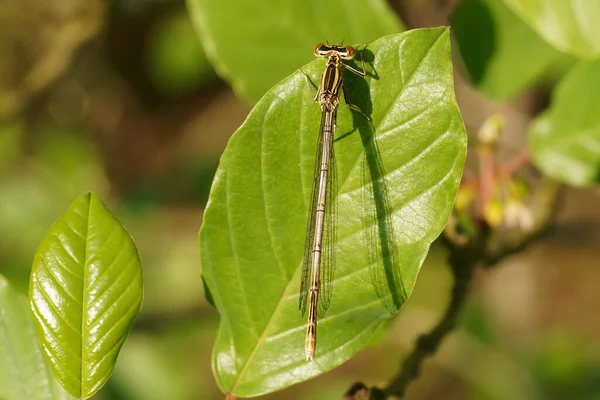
x,y
502,54
252,237
254,44
569,25
85,291
24,372
565,140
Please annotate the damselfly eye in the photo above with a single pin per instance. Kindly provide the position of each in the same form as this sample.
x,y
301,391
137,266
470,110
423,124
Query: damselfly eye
x,y
350,52
317,50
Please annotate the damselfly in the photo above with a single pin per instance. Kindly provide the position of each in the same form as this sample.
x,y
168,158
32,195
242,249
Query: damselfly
x,y
318,266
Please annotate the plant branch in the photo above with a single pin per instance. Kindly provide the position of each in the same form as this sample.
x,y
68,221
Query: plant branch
x,y
462,259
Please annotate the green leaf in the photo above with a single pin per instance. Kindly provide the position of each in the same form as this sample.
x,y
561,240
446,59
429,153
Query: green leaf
x,y
565,140
255,44
501,53
570,26
254,226
85,291
24,372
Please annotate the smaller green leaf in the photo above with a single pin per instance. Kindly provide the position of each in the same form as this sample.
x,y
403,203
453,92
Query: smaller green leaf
x,y
570,26
565,140
85,292
24,372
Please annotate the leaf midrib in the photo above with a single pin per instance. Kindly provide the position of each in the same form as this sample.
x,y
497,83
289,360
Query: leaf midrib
x,y
84,300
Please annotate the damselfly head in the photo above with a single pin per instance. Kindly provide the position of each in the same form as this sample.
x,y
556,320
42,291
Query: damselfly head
x,y
325,50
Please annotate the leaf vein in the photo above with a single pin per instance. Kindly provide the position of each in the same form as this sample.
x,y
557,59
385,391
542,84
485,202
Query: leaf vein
x,y
48,329
57,313
409,79
113,303
53,277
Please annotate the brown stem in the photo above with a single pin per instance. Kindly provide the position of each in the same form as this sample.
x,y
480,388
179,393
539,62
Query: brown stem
x,y
462,260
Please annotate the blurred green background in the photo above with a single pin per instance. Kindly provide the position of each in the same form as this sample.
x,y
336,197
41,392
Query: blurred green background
x,y
120,99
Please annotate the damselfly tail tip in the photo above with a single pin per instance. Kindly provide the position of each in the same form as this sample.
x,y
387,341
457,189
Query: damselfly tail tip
x,y
309,349
310,341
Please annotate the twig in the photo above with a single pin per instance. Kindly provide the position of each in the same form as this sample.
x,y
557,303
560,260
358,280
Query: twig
x,y
462,259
